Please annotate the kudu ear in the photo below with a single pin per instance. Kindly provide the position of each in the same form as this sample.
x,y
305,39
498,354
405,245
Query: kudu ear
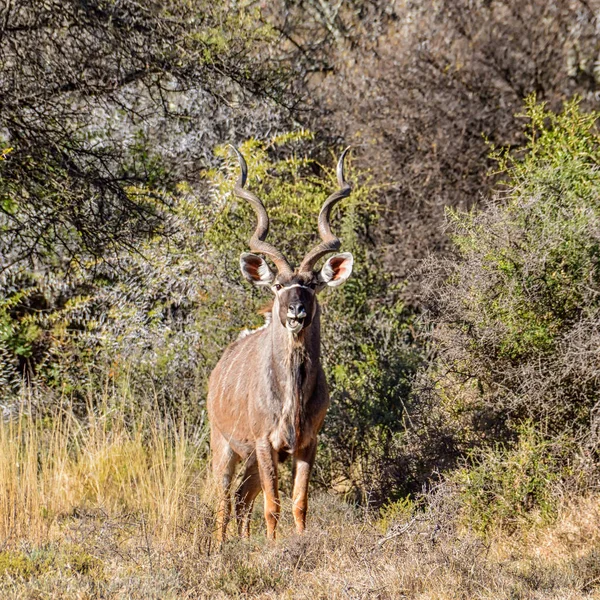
x,y
337,269
255,269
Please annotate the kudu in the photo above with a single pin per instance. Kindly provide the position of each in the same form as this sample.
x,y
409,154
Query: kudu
x,y
267,396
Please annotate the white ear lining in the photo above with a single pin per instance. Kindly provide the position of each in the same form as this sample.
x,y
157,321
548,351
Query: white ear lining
x,y
326,273
265,273
252,265
334,277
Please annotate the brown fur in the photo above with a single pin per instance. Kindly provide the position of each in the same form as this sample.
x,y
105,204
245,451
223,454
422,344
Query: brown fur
x,y
267,397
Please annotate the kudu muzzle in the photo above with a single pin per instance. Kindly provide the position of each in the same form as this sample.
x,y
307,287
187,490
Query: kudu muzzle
x,y
296,308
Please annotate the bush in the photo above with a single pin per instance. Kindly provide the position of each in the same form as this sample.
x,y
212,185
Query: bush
x,y
517,309
415,84
511,486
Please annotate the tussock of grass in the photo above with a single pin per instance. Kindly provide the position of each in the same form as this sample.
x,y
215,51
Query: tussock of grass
x,y
113,506
109,463
25,565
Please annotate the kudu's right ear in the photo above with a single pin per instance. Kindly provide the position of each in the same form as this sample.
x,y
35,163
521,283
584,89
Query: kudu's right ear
x,y
255,269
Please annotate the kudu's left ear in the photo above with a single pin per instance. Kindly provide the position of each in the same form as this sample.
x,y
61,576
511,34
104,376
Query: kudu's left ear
x,y
337,269
255,269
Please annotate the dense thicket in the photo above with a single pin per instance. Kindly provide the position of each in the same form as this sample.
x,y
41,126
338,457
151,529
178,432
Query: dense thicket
x,y
419,86
518,314
105,105
109,113
515,315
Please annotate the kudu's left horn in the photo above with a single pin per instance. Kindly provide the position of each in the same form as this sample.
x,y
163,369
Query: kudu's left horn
x,y
330,242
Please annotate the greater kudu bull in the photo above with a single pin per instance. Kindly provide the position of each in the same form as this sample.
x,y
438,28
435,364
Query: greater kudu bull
x,y
267,396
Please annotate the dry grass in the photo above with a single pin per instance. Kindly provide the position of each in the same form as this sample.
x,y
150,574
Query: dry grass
x,y
112,463
121,508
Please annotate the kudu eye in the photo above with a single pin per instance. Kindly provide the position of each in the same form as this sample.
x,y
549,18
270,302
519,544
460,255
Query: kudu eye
x,y
277,287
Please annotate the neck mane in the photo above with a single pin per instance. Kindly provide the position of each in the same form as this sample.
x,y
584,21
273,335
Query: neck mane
x,y
294,361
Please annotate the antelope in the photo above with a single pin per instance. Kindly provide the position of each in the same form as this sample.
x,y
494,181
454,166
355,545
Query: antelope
x,y
267,396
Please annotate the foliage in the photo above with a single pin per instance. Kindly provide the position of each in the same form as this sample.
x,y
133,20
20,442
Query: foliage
x,y
544,270
511,487
28,565
414,85
127,318
119,235
392,513
103,103
107,105
515,314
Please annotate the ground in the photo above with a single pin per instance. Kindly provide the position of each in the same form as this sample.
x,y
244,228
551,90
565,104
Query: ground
x,y
346,553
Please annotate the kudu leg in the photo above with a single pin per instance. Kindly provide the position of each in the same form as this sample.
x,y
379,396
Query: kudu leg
x,y
303,462
245,496
224,460
267,468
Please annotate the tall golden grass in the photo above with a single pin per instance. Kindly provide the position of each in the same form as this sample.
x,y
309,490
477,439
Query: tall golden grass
x,y
111,460
116,503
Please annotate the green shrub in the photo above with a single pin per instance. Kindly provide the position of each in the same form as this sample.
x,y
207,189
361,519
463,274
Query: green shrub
x,y
516,312
27,565
508,486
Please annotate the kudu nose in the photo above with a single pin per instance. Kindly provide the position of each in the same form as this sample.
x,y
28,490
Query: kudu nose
x,y
296,310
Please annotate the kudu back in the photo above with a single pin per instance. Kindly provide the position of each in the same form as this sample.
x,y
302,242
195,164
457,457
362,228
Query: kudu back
x,y
267,396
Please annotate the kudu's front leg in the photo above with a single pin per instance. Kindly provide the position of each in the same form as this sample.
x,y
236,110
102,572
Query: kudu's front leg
x,y
267,468
303,462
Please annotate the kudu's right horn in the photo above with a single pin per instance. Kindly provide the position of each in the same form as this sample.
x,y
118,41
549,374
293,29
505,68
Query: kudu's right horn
x,y
257,241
